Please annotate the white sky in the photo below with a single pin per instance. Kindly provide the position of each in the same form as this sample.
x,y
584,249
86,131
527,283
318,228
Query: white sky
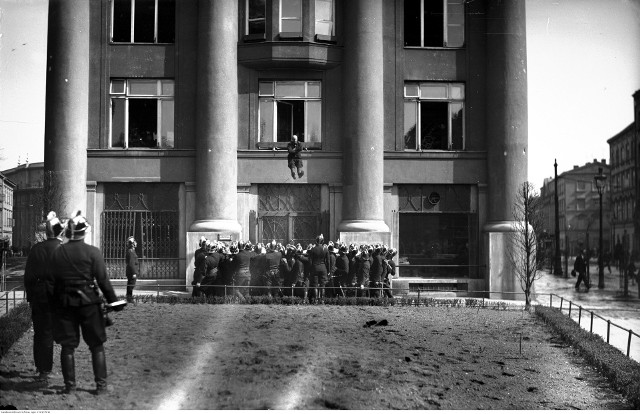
x,y
583,67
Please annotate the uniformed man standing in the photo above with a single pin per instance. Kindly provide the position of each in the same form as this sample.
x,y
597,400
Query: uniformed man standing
x,y
272,269
199,263
133,267
35,275
77,270
319,257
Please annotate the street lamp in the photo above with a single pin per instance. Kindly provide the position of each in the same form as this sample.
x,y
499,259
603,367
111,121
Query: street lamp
x,y
600,182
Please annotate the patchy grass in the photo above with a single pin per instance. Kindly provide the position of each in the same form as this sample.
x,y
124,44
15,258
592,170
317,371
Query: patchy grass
x,y
623,372
13,325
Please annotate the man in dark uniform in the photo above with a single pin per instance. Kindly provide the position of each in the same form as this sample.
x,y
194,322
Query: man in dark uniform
x,y
256,268
342,268
352,280
211,270
294,159
319,262
390,272
199,262
133,267
243,274
35,277
272,269
375,277
77,270
364,267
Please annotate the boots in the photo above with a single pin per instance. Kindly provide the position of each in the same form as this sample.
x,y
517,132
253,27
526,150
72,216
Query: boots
x,y
68,367
99,362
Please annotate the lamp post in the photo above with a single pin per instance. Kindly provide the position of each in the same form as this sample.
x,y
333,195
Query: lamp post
x,y
557,265
600,182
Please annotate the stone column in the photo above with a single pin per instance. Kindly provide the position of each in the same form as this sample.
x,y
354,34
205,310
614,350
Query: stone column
x,y
67,107
363,152
216,207
507,139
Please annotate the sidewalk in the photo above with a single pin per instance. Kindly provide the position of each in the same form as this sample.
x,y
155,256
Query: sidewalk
x,y
609,303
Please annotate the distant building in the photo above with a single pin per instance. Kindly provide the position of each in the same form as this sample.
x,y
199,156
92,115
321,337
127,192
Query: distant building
x,y
623,155
578,208
6,212
27,203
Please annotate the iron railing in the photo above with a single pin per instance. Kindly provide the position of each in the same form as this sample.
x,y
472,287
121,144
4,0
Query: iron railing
x,y
609,324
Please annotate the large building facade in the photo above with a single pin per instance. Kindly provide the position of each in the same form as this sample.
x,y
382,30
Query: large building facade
x,y
168,120
28,205
623,153
578,210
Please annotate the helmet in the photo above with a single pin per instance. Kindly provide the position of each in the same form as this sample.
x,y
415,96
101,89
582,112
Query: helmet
x,y
248,246
233,249
272,246
391,252
320,239
131,242
209,246
203,241
299,248
76,227
53,226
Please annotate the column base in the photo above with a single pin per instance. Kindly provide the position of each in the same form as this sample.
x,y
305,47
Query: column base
x,y
216,226
363,226
193,244
502,280
365,237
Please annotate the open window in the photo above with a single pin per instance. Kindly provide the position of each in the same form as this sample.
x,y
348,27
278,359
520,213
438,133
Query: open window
x,y
142,113
289,108
143,21
434,23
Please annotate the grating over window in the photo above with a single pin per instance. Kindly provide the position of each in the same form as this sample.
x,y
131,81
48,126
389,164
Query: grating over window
x,y
148,213
289,213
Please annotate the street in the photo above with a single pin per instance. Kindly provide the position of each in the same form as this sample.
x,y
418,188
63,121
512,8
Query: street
x,y
609,303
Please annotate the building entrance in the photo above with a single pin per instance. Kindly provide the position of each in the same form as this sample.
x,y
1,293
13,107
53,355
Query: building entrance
x,y
289,213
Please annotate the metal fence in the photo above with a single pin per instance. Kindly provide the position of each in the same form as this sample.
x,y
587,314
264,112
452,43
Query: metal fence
x,y
602,325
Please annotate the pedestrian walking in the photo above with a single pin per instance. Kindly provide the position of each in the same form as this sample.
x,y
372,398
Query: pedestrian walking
x,y
35,277
77,271
579,267
133,267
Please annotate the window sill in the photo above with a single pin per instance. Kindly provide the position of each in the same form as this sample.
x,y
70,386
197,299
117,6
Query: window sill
x,y
141,43
290,36
282,146
256,37
325,39
434,47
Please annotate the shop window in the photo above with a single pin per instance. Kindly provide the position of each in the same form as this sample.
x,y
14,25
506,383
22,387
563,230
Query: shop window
x,y
434,116
434,23
438,231
143,21
142,113
289,108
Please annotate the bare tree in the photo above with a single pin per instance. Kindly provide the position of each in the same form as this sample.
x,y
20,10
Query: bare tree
x,y
528,225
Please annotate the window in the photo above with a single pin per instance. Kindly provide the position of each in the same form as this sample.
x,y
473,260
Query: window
x,y
434,23
434,116
291,16
580,203
324,17
255,17
580,186
143,21
290,108
142,113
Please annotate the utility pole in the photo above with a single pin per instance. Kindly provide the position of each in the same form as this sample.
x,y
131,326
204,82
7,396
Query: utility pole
x,y
557,263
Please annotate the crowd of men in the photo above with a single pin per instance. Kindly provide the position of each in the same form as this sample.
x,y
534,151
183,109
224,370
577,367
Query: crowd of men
x,y
321,270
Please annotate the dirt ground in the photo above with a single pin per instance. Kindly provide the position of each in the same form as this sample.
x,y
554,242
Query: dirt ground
x,y
163,356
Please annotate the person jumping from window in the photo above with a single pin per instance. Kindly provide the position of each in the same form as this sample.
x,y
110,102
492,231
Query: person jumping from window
x,y
294,159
